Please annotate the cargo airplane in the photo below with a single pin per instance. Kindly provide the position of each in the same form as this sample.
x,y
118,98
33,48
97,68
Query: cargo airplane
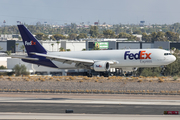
x,y
99,61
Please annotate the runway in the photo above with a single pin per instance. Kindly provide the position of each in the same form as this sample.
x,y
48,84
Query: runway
x,y
114,106
86,108
48,116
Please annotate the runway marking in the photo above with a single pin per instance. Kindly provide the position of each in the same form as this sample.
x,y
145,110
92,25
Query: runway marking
x,y
53,116
93,101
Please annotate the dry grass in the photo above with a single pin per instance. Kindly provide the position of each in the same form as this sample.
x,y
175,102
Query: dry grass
x,y
162,91
140,80
27,79
81,81
119,78
87,91
112,77
150,80
160,80
10,78
102,77
92,79
42,80
72,78
86,78
67,79
141,77
58,80
1,76
96,80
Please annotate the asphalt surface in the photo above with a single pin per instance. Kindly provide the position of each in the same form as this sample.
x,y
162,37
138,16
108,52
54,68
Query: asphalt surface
x,y
86,108
55,116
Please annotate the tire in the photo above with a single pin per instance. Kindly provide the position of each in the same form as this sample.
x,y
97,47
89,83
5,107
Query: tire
x,y
106,74
89,74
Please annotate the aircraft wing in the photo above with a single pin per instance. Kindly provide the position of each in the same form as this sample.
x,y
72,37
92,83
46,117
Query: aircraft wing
x,y
79,62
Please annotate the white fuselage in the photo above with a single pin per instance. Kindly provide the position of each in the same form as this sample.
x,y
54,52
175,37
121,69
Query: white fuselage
x,y
125,58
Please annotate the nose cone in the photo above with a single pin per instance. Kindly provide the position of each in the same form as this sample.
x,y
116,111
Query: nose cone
x,y
173,58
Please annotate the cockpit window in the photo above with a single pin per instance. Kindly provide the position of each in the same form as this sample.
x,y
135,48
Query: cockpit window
x,y
167,54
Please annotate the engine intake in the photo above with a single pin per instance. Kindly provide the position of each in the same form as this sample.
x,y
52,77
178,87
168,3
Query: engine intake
x,y
101,66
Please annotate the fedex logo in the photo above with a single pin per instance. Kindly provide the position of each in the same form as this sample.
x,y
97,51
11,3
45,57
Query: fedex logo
x,y
30,43
136,56
98,66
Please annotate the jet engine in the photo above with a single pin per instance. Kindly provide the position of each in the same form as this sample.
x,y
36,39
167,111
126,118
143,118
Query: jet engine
x,y
101,66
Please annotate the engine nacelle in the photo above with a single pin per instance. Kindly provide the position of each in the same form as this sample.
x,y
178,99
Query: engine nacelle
x,y
101,66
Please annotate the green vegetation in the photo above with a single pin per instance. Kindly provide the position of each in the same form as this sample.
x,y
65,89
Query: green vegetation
x,y
20,70
109,34
72,36
2,67
82,35
52,46
175,77
94,31
150,33
58,37
61,49
41,36
8,52
5,73
149,71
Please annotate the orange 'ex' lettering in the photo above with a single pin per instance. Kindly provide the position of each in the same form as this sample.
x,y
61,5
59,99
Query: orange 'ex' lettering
x,y
147,55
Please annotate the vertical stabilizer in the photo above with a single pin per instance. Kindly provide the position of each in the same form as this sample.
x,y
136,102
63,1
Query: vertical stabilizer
x,y
30,42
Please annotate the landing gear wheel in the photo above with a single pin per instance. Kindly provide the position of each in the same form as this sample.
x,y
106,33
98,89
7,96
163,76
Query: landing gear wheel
x,y
106,74
89,74
101,74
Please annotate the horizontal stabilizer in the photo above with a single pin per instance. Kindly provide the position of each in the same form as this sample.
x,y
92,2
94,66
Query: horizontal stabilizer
x,y
25,57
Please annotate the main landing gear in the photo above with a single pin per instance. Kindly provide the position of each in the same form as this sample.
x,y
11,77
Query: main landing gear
x,y
105,74
89,74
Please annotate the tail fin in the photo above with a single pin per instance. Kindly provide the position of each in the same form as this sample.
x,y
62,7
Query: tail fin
x,y
30,42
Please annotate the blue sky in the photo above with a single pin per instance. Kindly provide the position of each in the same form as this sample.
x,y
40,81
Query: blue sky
x,y
76,11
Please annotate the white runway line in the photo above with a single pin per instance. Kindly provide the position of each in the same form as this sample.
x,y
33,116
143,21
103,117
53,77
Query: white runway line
x,y
48,116
93,101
